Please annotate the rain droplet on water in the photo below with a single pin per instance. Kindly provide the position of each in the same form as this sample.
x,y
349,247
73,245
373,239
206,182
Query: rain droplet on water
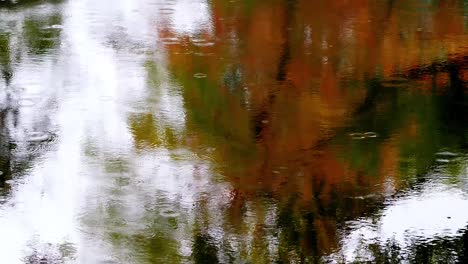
x,y
38,136
203,44
26,102
169,41
364,135
169,213
166,11
138,110
203,54
199,75
370,134
57,27
357,136
446,154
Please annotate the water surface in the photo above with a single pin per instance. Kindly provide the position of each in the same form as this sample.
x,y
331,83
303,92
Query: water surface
x,y
186,131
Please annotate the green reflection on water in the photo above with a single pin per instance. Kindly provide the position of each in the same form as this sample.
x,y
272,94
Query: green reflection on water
x,y
40,35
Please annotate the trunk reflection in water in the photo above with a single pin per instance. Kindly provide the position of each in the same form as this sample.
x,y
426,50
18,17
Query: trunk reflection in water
x,y
285,131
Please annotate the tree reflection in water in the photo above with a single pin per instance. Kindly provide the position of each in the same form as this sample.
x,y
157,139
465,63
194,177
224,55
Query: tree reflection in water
x,y
286,131
282,133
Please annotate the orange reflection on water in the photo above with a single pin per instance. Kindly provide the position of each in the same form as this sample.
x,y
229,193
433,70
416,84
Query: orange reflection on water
x,y
283,83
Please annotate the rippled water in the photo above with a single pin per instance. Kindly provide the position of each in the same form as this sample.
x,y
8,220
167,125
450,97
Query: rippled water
x,y
186,131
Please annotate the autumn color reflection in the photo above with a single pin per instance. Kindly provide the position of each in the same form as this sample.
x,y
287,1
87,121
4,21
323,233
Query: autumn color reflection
x,y
285,92
193,131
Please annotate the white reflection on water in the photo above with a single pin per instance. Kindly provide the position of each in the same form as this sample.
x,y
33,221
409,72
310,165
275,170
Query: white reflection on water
x,y
435,210
191,16
100,56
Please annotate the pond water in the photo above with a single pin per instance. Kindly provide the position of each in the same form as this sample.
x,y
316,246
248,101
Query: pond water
x,y
193,131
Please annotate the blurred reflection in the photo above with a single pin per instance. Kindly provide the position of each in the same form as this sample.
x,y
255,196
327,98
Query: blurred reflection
x,y
14,97
323,111
284,131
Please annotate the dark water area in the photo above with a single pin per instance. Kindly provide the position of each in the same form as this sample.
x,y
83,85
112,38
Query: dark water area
x,y
187,131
